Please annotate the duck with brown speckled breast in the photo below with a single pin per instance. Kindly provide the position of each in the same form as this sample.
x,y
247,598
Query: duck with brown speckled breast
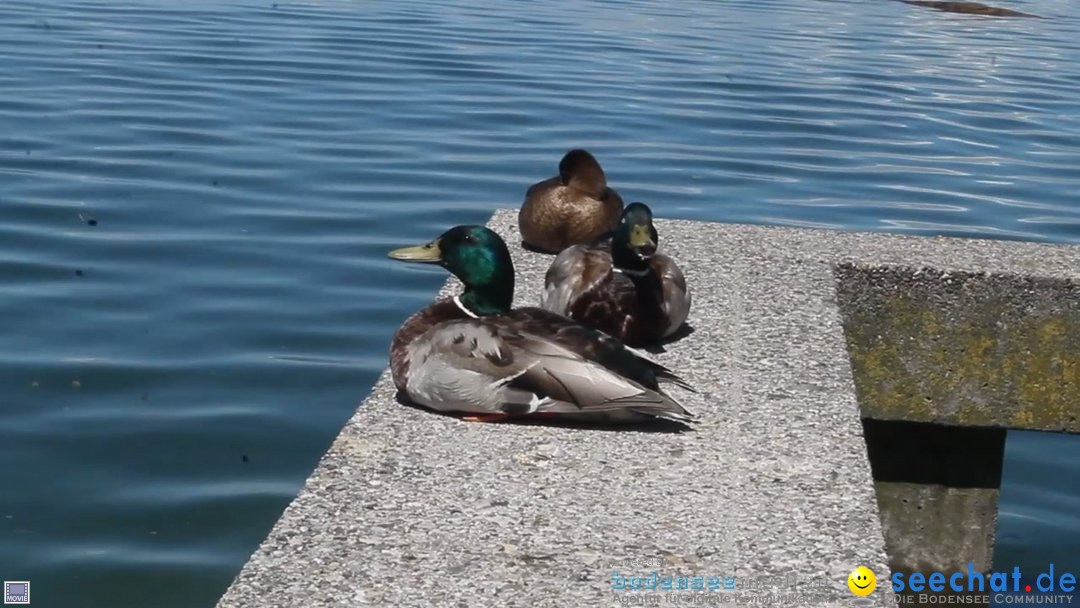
x,y
623,288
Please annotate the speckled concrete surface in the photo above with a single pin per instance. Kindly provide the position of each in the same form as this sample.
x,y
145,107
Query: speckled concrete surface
x,y
409,508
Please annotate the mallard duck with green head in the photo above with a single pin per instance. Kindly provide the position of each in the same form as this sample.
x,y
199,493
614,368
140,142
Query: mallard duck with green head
x,y
473,353
575,206
621,287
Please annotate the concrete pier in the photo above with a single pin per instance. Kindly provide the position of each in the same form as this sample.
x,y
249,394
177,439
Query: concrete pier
x,y
773,491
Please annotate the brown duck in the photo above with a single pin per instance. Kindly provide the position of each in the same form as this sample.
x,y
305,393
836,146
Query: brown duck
x,y
575,206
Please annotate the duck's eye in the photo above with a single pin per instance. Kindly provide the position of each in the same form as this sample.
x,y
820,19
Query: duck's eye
x,y
469,238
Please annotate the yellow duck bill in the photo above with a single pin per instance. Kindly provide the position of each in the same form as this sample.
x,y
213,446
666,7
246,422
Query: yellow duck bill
x,y
419,253
640,237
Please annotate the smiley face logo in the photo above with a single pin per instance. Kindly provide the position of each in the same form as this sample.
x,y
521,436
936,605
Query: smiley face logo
x,y
861,581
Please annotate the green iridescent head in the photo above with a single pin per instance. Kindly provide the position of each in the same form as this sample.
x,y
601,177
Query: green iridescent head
x,y
478,257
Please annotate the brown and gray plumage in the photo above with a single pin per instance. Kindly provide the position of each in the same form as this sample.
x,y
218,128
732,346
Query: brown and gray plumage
x,y
575,206
623,288
473,353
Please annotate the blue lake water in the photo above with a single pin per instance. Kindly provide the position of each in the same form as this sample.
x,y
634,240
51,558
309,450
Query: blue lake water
x,y
197,199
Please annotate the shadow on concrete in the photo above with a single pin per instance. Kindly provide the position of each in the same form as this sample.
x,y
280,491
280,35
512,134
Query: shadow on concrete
x,y
683,332
926,453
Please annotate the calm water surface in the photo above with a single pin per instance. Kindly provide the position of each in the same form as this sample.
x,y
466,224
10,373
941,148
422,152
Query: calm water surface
x,y
197,198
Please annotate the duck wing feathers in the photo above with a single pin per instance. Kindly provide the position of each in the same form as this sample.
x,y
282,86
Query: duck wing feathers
x,y
576,270
515,364
676,300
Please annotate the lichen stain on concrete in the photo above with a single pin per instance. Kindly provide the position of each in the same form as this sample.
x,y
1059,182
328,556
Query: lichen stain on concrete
x,y
963,350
